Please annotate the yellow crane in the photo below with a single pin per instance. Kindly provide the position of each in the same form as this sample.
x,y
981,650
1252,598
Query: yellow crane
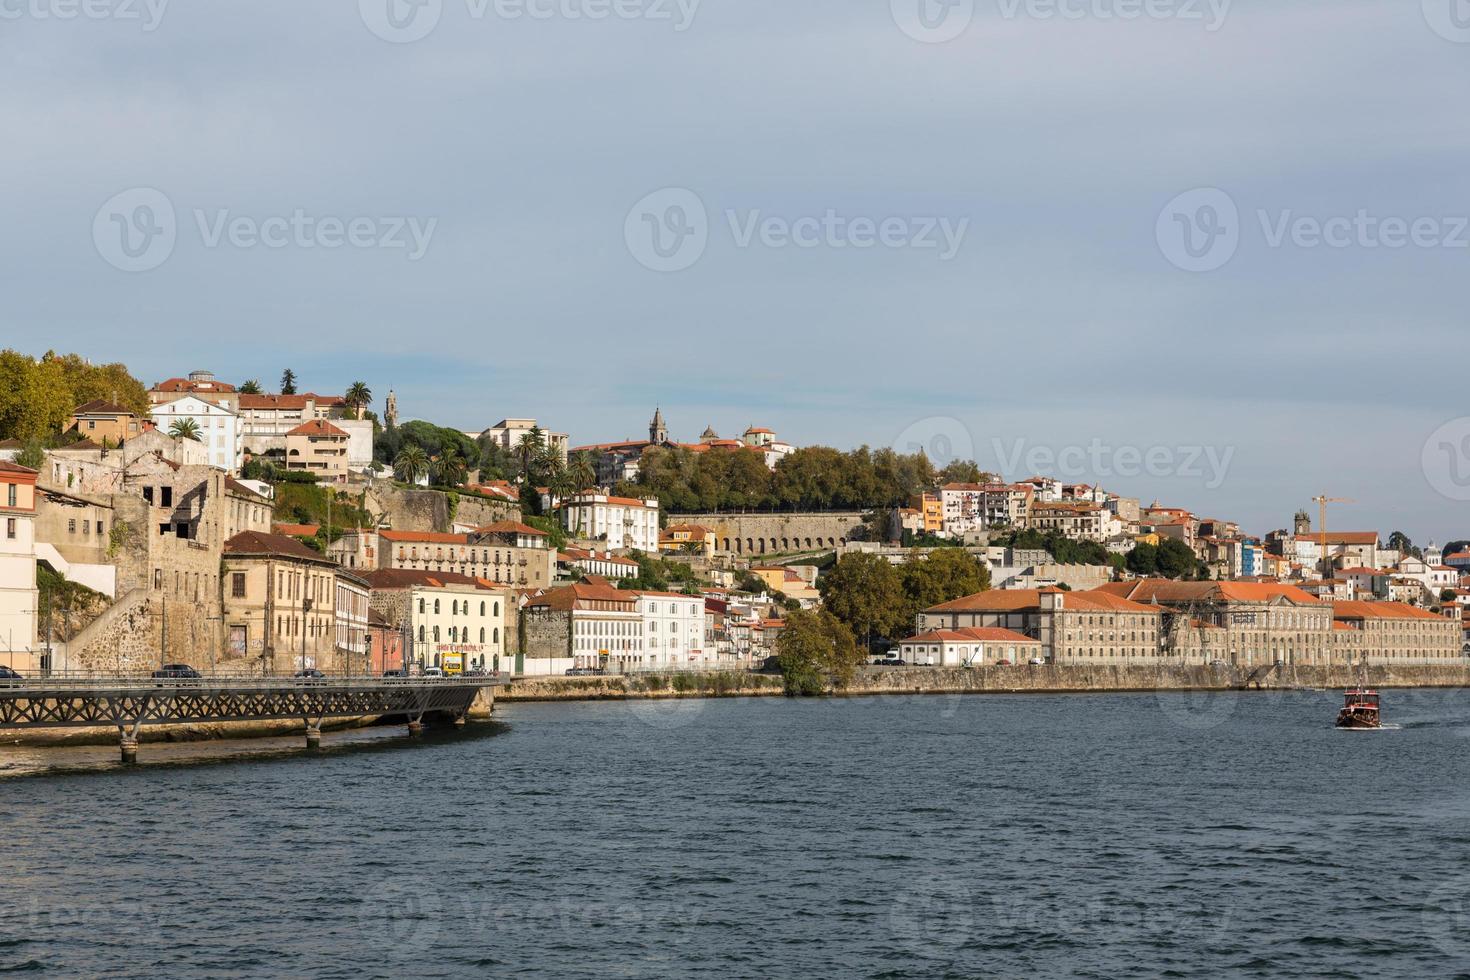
x,y
1322,502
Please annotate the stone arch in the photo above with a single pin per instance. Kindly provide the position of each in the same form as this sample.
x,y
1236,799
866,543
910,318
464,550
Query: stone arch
x,y
749,546
785,544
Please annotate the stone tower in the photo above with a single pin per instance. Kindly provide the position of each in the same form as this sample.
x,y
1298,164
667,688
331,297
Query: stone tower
x,y
1303,523
658,433
390,411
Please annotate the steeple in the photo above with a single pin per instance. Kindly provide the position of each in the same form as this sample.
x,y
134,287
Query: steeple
x,y
390,413
658,433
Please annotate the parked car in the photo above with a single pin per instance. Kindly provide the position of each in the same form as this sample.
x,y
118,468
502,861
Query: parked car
x,y
395,673
310,674
177,672
1217,663
1002,663
476,672
1037,662
7,674
433,672
892,662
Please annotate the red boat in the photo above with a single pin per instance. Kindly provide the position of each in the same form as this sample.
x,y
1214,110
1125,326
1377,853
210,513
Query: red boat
x,y
1360,709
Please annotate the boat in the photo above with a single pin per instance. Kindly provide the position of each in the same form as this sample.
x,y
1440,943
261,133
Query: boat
x,y
1360,709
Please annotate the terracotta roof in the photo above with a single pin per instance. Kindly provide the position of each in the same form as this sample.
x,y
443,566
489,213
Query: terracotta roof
x,y
296,530
1342,537
511,527
184,384
569,597
409,578
1166,591
987,634
424,537
1020,600
276,545
317,427
1381,610
15,468
291,402
99,407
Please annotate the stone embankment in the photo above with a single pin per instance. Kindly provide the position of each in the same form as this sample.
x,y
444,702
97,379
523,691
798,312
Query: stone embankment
x,y
988,680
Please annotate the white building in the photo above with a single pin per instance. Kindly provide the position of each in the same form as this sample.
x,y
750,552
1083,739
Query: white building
x,y
219,428
673,629
351,611
18,596
508,433
455,622
622,522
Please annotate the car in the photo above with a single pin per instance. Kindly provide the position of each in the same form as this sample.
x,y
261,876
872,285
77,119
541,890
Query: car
x,y
892,662
1217,663
177,672
476,672
433,672
1037,662
575,671
395,673
310,674
1002,663
8,674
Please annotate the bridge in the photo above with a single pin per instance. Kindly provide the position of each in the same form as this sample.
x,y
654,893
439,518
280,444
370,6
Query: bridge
x,y
130,702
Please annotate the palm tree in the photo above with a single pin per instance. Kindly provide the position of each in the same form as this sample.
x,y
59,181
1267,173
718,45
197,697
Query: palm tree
x,y
251,387
185,429
411,464
450,468
359,396
583,470
528,450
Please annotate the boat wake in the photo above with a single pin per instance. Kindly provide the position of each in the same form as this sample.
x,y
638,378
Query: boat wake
x,y
1382,728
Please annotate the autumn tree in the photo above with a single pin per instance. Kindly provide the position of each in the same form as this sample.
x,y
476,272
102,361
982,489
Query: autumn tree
x,y
866,593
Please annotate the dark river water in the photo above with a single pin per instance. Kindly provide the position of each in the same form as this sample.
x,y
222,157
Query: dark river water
x,y
1026,836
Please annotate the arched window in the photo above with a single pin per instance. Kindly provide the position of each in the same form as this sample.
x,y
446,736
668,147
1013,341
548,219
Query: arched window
x,y
497,609
436,634
421,633
482,634
497,634
482,607
436,609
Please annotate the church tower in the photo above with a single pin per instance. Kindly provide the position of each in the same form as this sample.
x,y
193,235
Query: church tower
x,y
390,411
658,433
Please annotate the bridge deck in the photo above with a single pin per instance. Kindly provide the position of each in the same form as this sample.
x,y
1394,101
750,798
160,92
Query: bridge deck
x,y
130,702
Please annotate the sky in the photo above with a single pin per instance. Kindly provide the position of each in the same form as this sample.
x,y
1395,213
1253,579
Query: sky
x,y
1204,252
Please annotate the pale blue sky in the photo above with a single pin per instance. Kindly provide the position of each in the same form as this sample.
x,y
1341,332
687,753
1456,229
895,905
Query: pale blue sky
x,y
1060,320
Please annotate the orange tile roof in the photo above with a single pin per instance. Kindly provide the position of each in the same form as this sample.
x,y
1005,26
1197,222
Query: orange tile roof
x,y
511,527
986,634
1381,610
318,427
424,537
1166,591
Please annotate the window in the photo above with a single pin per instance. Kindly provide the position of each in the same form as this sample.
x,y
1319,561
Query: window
x,y
482,634
237,585
10,495
166,496
71,526
86,527
421,607
10,527
436,612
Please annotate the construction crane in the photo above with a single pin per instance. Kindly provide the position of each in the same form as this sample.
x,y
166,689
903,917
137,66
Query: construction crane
x,y
1322,502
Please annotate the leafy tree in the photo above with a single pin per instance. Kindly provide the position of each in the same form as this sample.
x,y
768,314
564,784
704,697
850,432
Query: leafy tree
x,y
816,652
288,382
37,396
1177,559
1143,559
411,464
359,396
1447,595
866,593
251,387
31,455
947,574
185,429
964,471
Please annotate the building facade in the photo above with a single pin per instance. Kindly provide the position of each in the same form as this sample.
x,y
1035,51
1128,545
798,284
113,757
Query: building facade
x,y
218,427
320,448
18,595
623,523
279,604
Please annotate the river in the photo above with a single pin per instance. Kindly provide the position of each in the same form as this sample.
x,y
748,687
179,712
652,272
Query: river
x,y
1182,835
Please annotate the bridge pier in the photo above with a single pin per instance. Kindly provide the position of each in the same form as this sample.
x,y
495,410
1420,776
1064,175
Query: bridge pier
x,y
128,744
415,727
314,738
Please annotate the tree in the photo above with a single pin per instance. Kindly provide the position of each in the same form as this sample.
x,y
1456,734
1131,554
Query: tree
x,y
411,464
359,396
963,471
946,574
816,652
288,382
31,455
866,593
582,469
251,387
185,429
1143,559
449,468
1176,559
